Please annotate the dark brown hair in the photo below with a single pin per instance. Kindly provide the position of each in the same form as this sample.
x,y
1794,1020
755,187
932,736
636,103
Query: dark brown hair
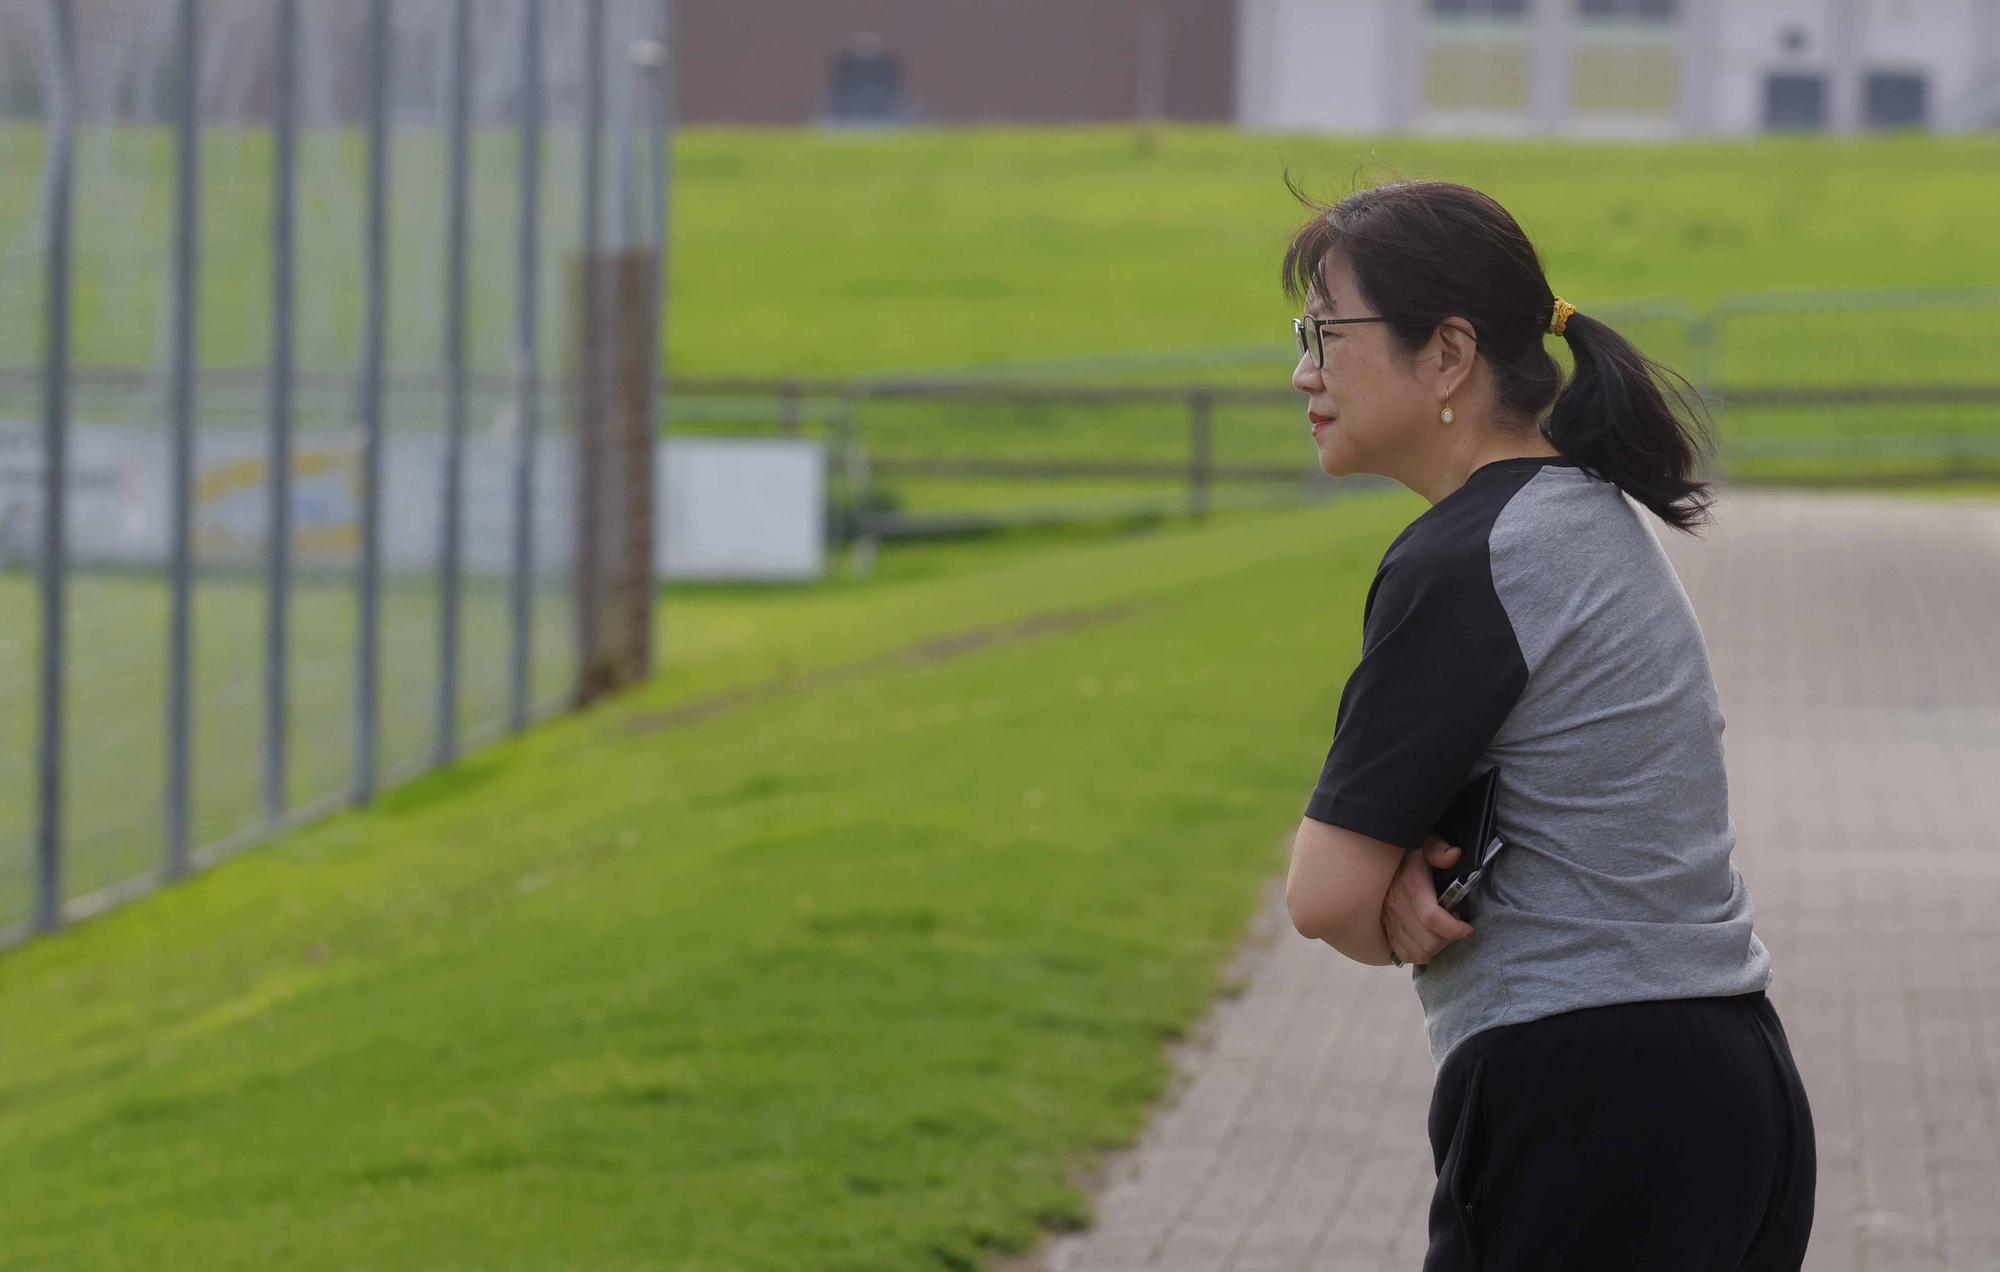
x,y
1424,251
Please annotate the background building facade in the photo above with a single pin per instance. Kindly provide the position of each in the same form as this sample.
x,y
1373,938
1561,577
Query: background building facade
x,y
1617,67
953,61
1625,68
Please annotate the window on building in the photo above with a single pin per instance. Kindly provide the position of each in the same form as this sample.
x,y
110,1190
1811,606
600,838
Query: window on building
x,y
1608,80
1895,99
1482,79
866,83
1630,10
1627,59
1479,8
1794,100
1476,58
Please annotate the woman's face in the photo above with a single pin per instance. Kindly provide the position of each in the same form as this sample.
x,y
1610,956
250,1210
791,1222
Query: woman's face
x,y
1367,390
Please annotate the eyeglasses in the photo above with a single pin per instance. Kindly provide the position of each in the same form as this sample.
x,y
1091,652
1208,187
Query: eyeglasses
x,y
1316,344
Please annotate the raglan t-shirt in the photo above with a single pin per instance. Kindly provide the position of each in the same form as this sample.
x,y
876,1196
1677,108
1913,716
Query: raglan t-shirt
x,y
1530,619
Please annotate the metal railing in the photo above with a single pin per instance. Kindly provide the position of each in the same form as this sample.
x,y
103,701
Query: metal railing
x,y
1695,339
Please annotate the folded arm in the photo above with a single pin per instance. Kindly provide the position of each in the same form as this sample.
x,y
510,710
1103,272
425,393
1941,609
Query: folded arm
x,y
1338,884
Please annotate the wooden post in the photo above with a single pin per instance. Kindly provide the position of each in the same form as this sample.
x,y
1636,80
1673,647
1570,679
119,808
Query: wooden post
x,y
617,307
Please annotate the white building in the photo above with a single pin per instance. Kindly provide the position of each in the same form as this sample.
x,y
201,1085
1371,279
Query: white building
x,y
1617,67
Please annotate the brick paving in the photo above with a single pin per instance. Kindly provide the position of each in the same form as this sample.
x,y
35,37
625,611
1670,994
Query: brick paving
x,y
1856,646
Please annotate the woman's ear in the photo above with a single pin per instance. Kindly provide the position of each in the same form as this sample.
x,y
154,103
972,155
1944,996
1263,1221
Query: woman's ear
x,y
1457,344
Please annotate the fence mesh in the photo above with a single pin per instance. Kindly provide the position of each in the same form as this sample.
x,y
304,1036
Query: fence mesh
x,y
130,75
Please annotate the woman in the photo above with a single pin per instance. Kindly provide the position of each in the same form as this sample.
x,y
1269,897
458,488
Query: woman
x,y
1613,1089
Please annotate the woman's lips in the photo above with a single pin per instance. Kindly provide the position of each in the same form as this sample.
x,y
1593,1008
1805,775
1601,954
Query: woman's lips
x,y
1318,422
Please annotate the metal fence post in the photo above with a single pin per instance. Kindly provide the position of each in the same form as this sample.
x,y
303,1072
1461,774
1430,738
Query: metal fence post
x,y
666,78
595,68
180,468
1701,337
375,267
278,477
666,85
526,360
588,364
1201,409
452,546
55,463
789,407
863,535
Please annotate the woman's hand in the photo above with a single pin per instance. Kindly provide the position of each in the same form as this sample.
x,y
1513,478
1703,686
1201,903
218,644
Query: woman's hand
x,y
1418,927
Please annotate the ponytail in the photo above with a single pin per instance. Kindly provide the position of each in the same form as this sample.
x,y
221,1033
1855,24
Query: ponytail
x,y
1425,251
1613,419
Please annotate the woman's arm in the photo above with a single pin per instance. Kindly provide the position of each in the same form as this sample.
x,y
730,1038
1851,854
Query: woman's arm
x,y
1338,884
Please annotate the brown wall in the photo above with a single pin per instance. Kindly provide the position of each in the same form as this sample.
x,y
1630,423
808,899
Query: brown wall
x,y
769,61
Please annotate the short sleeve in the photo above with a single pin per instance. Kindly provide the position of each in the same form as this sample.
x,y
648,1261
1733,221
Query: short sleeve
x,y
1440,671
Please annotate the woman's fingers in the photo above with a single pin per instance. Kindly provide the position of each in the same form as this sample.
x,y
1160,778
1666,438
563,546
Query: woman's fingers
x,y
1411,941
1444,923
1439,853
1416,946
1400,943
1395,911
1434,916
1417,927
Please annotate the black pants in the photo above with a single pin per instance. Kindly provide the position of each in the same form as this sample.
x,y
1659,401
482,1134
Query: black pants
x,y
1672,1135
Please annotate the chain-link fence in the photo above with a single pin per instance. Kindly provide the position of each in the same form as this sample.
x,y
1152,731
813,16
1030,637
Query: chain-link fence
x,y
288,442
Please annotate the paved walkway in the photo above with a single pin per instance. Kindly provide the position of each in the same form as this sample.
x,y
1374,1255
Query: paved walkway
x,y
1856,645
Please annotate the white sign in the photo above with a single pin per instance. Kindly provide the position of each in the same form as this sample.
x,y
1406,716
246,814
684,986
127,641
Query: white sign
x,y
737,508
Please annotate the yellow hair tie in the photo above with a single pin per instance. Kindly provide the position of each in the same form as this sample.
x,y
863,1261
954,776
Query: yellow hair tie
x,y
1560,318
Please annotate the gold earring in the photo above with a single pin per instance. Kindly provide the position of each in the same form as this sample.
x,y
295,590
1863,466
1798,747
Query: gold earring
x,y
1445,414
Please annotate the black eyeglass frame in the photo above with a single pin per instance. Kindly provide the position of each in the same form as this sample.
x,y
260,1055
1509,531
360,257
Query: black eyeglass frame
x,y
1318,345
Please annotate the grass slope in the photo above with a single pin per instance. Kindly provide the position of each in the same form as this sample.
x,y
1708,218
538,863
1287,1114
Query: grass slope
x,y
800,253
845,977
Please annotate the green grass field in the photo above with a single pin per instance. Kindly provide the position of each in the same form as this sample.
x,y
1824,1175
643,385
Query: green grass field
x,y
797,254
845,977
855,254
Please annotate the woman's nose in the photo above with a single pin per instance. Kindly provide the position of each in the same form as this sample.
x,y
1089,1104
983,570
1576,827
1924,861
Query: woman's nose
x,y
1306,376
